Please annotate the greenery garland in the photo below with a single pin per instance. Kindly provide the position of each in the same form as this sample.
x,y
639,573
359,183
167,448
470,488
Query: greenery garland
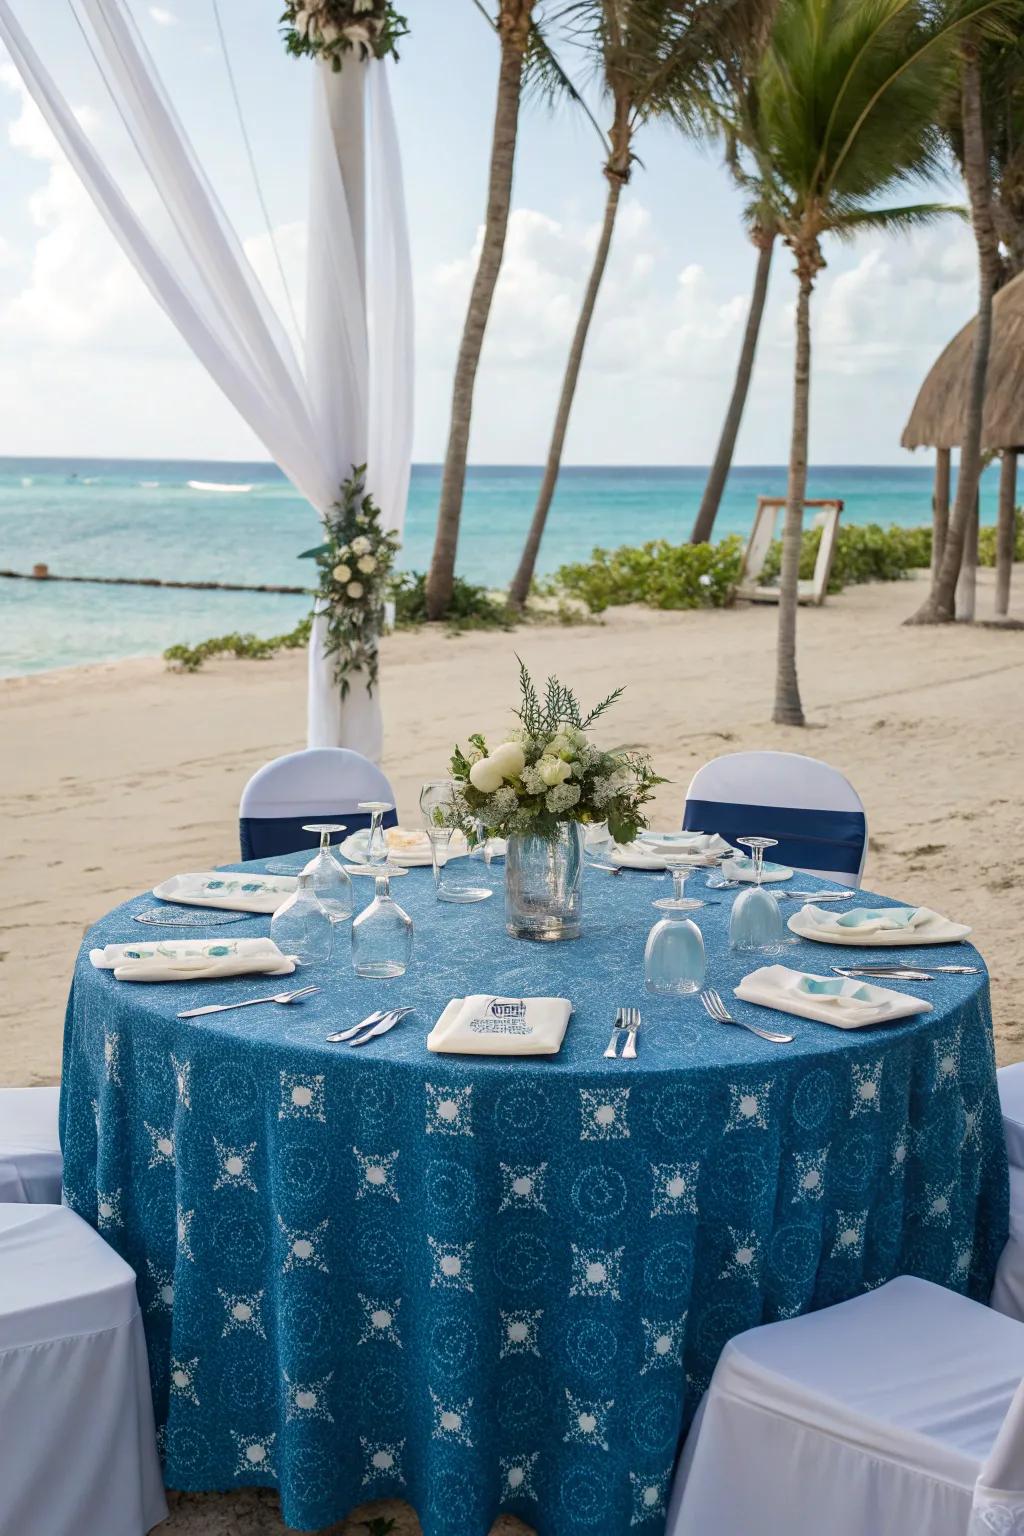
x,y
328,29
355,563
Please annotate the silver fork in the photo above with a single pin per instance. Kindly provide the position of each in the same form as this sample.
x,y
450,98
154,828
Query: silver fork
x,y
632,1021
714,1006
250,1002
620,1024
367,1023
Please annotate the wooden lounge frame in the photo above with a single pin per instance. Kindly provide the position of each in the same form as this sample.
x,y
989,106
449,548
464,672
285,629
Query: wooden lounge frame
x,y
763,532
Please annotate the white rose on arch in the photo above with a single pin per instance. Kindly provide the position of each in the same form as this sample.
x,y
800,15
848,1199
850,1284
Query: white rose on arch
x,y
361,545
354,589
367,564
342,573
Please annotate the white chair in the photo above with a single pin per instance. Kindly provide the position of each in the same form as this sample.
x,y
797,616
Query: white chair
x,y
895,1414
320,784
1008,1290
78,1450
815,813
31,1167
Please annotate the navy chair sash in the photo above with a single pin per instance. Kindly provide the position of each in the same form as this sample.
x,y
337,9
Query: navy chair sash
x,y
267,837
808,839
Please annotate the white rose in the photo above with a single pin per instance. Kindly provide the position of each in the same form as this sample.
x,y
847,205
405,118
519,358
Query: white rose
x,y
560,746
367,564
553,771
510,758
486,776
361,545
354,589
301,23
342,573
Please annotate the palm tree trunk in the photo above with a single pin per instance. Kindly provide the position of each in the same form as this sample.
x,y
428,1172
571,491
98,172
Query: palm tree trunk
x,y
1006,530
940,606
940,508
967,582
715,486
520,588
513,31
788,709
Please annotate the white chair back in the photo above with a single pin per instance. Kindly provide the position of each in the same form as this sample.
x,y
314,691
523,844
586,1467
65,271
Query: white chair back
x,y
1011,1102
997,1507
320,784
812,810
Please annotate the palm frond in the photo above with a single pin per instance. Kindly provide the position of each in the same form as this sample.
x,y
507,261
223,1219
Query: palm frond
x,y
894,220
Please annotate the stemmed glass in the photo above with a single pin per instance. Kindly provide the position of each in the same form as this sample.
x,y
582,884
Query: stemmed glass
x,y
674,961
377,860
329,877
302,927
756,921
454,880
381,936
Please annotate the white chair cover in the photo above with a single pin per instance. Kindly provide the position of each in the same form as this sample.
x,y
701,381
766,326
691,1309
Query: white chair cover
x,y
871,1418
814,812
321,783
1008,1288
77,1445
1011,1102
998,1507
31,1167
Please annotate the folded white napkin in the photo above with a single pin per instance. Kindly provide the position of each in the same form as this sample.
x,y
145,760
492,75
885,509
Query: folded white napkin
x,y
870,919
237,892
192,959
501,1026
700,844
828,999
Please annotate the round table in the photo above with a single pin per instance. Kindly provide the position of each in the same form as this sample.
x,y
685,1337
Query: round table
x,y
482,1283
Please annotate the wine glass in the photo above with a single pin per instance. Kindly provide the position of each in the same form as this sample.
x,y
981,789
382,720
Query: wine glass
x,y
437,795
302,927
756,921
674,962
381,936
377,852
330,880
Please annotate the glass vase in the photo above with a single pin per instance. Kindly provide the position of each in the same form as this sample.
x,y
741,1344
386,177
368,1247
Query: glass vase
x,y
544,885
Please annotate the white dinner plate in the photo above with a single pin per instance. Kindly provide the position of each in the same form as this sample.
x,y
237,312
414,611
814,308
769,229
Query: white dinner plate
x,y
226,888
415,856
937,931
772,873
702,845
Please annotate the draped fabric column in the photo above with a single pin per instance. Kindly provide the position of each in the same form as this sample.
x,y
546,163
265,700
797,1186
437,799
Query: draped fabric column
x,y
348,399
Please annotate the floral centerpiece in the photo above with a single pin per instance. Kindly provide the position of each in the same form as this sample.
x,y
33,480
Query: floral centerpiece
x,y
328,29
539,789
355,563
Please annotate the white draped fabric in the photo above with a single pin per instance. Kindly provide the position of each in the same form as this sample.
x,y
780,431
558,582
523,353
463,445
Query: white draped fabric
x,y
349,399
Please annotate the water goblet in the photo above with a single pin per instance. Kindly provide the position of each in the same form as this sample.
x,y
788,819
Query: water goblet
x,y
756,921
330,879
457,876
437,800
301,927
674,962
377,852
381,936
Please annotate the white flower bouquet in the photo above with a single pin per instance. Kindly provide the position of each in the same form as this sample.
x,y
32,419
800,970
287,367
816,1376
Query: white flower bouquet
x,y
329,29
547,772
355,563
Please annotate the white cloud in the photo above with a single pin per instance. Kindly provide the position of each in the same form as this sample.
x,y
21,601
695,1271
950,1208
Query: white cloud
x,y
162,16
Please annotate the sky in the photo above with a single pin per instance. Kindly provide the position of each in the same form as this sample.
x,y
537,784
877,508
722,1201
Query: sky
x,y
90,366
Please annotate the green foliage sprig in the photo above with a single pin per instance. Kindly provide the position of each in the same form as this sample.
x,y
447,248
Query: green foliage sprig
x,y
355,564
189,658
328,29
548,772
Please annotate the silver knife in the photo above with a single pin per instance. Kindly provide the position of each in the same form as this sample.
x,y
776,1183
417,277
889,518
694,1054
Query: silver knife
x,y
371,1018
387,1022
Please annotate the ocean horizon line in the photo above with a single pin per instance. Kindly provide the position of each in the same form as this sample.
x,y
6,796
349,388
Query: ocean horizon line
x,y
814,466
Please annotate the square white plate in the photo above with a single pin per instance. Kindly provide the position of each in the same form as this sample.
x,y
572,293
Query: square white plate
x,y
892,1005
235,891
938,931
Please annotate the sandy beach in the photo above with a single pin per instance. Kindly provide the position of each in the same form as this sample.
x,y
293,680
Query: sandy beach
x,y
114,777
117,776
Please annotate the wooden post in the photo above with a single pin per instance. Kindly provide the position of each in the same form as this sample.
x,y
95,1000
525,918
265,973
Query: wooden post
x,y
1006,530
940,506
966,587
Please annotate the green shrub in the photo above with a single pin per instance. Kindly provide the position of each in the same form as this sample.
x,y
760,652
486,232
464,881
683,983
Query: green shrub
x,y
658,573
987,541
189,658
471,607
863,553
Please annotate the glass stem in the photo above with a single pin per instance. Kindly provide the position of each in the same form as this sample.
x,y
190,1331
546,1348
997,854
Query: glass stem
x,y
325,841
678,883
758,864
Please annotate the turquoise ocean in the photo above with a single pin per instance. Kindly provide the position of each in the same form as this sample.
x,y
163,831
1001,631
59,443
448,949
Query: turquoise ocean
x,y
244,523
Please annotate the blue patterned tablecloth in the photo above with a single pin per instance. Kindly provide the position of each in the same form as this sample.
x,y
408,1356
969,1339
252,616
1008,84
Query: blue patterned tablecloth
x,y
484,1284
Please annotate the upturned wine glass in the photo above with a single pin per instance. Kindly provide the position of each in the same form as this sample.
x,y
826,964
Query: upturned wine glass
x,y
329,877
674,962
302,927
382,936
756,921
377,852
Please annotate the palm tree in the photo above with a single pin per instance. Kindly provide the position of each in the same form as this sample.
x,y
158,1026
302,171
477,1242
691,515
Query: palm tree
x,y
514,26
637,47
846,110
940,605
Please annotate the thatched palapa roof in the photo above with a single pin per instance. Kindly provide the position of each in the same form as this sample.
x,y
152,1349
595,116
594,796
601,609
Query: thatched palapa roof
x,y
937,418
